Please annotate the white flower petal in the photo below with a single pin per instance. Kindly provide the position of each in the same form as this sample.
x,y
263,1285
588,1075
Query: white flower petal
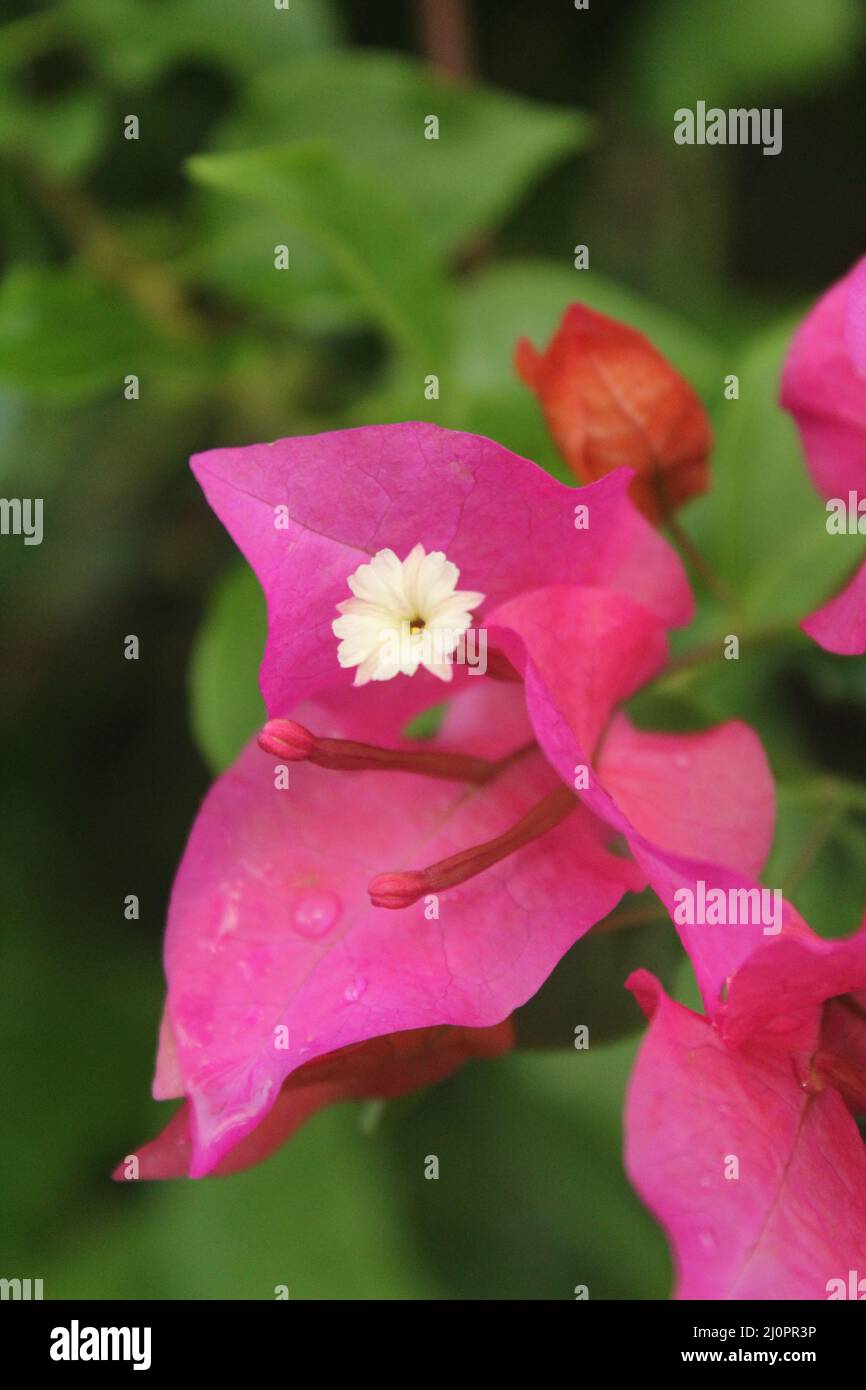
x,y
404,614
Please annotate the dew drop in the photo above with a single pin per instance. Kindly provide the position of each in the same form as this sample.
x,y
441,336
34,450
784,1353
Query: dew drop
x,y
354,991
708,1241
316,914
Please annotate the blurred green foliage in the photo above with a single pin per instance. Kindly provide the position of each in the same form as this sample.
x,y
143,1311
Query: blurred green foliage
x,y
155,257
724,52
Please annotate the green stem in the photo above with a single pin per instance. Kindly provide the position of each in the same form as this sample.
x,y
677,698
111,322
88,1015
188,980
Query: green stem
x,y
713,582
105,253
712,650
631,917
836,789
809,852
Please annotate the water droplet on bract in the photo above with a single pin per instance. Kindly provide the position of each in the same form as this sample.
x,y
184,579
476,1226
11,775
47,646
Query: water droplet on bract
x,y
354,991
708,1241
316,914
681,760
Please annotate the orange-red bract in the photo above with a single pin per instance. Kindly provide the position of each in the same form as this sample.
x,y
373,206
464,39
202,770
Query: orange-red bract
x,y
611,399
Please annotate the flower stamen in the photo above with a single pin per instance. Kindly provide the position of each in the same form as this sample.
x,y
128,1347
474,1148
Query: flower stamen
x,y
401,889
403,614
286,739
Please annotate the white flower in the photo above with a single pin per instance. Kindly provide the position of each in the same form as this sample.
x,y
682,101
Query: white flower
x,y
405,614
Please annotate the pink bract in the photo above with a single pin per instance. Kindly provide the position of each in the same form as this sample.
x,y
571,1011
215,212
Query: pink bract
x,y
740,1138
379,1070
824,388
275,955
506,524
576,668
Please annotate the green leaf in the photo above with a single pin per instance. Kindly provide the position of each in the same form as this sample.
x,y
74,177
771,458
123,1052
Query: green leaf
x,y
63,137
759,688
819,856
527,298
660,711
587,987
530,1159
63,336
226,707
426,724
133,41
321,1218
763,525
741,53
234,256
491,145
371,238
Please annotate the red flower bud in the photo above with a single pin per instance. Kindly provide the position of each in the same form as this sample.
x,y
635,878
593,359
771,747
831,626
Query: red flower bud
x,y
610,400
